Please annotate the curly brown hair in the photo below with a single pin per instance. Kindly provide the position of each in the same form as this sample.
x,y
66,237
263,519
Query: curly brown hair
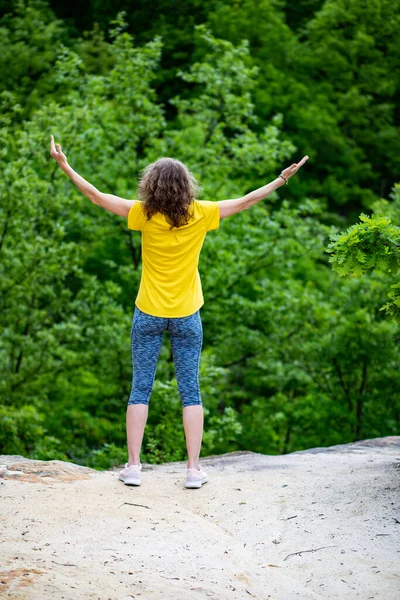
x,y
167,186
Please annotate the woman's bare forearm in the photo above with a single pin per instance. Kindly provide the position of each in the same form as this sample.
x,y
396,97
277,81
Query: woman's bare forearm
x,y
110,202
260,193
84,186
114,204
231,207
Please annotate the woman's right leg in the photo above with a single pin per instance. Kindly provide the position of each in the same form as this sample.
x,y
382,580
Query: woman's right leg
x,y
193,421
146,340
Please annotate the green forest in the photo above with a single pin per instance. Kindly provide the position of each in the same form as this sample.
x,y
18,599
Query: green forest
x,y
302,296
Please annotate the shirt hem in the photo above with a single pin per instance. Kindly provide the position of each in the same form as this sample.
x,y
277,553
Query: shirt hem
x,y
164,316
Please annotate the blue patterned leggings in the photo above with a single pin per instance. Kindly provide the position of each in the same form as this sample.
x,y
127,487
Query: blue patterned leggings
x,y
186,335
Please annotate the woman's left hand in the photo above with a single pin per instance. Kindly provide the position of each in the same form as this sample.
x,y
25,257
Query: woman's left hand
x,y
57,153
292,170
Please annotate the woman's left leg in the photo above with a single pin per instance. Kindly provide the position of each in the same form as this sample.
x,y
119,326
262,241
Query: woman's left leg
x,y
136,419
186,342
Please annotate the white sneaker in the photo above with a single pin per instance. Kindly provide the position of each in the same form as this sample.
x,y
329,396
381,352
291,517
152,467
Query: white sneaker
x,y
130,475
195,478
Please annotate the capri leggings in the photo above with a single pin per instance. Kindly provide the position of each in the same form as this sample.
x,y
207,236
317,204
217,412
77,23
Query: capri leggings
x,y
186,336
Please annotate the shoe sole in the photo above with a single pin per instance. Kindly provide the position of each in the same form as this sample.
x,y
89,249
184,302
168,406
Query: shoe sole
x,y
129,481
195,484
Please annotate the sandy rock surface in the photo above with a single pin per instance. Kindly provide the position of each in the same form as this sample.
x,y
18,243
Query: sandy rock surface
x,y
318,524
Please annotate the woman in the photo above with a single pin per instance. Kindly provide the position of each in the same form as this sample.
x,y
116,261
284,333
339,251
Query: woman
x,y
173,225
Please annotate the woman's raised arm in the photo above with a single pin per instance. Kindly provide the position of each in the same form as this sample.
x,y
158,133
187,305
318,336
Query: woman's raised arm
x,y
114,204
231,207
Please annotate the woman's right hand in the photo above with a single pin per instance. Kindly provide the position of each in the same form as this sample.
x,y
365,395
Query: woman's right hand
x,y
57,153
292,170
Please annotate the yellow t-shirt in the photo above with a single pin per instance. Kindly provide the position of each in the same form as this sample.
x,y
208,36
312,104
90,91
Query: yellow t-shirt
x,y
170,285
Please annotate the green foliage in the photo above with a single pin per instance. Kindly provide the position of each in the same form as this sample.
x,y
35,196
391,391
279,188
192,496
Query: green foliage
x,y
218,120
106,457
373,244
293,356
336,82
329,68
393,306
29,38
22,433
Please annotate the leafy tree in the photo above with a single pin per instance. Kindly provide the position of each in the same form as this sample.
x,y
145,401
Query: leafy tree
x,y
329,68
350,48
293,356
29,38
63,324
336,83
372,244
63,278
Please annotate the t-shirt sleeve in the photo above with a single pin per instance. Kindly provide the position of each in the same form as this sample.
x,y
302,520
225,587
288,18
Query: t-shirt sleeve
x,y
136,218
211,213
